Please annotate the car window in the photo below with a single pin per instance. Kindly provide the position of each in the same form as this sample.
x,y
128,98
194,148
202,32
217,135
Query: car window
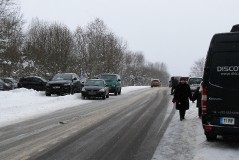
x,y
60,77
224,70
155,80
94,83
37,80
194,81
29,79
108,77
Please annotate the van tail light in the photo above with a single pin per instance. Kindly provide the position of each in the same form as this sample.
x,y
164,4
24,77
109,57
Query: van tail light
x,y
207,128
204,101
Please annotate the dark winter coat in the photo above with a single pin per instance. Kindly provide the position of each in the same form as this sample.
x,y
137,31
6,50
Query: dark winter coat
x,y
182,95
197,96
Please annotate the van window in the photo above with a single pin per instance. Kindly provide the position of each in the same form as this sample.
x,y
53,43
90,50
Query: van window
x,y
224,71
194,81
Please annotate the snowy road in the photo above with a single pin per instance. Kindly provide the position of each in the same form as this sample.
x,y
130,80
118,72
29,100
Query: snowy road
x,y
125,127
139,124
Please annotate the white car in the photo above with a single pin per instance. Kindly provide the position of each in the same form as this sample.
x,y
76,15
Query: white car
x,y
194,83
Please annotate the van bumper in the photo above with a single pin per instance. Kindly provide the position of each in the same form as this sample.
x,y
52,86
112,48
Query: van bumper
x,y
221,130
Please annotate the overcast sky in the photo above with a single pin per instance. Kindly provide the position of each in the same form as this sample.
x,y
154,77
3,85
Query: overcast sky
x,y
176,32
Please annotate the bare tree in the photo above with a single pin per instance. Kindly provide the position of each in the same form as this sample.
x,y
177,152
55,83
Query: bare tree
x,y
48,48
198,68
10,36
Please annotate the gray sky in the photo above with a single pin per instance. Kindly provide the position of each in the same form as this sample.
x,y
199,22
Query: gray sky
x,y
176,32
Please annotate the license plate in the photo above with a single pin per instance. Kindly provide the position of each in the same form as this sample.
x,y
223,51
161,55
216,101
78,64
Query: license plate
x,y
225,120
56,87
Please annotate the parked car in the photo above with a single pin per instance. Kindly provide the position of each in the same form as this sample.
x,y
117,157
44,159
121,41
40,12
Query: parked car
x,y
64,83
4,86
32,82
95,88
220,103
113,81
194,83
155,83
11,81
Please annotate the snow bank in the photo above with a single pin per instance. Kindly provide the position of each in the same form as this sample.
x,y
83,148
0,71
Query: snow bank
x,y
21,104
185,140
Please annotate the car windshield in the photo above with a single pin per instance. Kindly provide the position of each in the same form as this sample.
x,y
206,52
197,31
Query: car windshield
x,y
155,80
94,83
60,77
194,81
108,77
224,71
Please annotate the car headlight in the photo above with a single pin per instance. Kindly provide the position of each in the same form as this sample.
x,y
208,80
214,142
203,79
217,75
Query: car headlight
x,y
83,89
7,84
67,84
102,90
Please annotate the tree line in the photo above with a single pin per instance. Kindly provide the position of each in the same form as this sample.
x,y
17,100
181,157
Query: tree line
x,y
46,48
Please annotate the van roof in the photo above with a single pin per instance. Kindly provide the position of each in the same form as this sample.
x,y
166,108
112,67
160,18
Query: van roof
x,y
225,42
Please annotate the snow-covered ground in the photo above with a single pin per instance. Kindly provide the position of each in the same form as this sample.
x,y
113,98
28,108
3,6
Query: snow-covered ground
x,y
185,140
21,104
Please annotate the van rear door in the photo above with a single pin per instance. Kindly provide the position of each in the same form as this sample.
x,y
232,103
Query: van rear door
x,y
223,86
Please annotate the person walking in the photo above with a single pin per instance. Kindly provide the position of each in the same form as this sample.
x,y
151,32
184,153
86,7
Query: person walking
x,y
198,96
182,95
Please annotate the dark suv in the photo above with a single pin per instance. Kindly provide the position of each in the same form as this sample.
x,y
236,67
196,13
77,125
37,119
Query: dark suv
x,y
63,83
32,82
113,81
220,102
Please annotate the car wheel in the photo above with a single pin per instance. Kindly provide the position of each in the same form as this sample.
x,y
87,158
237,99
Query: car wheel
x,y
116,93
48,94
73,90
119,93
107,96
103,97
82,97
211,137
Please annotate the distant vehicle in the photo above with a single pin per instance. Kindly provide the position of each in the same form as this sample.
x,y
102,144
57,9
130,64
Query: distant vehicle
x,y
95,88
32,82
4,86
194,83
155,83
10,81
64,83
220,102
113,81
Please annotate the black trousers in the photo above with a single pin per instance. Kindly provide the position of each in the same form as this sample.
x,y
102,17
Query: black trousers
x,y
199,111
182,113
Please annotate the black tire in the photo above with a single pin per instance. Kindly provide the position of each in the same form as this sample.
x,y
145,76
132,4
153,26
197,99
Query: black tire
x,y
103,97
48,94
116,93
211,137
73,90
82,97
107,96
119,93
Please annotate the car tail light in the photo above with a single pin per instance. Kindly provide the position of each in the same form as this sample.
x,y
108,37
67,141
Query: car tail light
x,y
207,128
204,101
